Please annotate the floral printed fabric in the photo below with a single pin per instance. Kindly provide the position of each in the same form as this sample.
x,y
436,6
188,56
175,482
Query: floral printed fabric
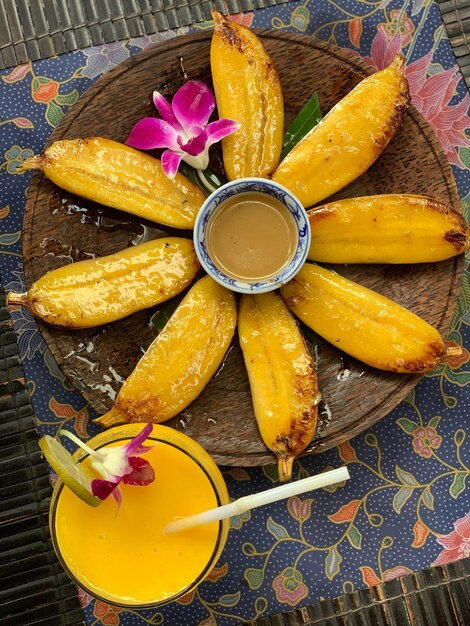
x,y
406,505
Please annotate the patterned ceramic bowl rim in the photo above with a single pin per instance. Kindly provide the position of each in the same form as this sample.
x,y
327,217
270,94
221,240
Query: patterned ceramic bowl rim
x,y
264,186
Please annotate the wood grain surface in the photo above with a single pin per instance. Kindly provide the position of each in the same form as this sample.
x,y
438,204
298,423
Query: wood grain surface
x,y
60,229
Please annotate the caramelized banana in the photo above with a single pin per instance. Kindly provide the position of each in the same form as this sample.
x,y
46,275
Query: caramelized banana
x,y
181,360
394,228
118,176
248,90
349,139
102,290
282,377
363,323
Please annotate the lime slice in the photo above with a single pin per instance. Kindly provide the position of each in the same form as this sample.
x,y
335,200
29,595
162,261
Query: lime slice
x,y
74,475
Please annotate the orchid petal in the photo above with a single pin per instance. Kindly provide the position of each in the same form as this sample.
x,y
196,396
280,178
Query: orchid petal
x,y
103,488
196,145
114,464
183,129
117,495
118,463
115,461
152,132
142,472
192,106
199,162
219,129
170,162
166,112
138,440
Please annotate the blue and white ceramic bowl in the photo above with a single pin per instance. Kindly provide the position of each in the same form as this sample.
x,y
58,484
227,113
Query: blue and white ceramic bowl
x,y
270,188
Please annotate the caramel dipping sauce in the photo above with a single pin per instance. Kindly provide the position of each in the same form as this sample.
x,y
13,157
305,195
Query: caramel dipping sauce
x,y
252,236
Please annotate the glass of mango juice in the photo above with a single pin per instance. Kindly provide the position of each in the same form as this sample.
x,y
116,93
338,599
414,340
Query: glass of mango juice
x,y
122,556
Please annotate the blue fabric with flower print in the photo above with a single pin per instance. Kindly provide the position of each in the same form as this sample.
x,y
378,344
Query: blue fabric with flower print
x,y
406,505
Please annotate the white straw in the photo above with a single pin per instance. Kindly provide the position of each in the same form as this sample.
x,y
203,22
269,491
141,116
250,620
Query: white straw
x,y
258,499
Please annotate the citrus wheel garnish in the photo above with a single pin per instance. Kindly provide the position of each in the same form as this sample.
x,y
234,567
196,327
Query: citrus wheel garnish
x,y
74,475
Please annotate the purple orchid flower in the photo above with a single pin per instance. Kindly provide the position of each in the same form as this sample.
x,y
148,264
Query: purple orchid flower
x,y
118,464
183,129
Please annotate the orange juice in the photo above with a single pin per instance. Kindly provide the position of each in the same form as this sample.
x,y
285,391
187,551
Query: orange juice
x,y
122,556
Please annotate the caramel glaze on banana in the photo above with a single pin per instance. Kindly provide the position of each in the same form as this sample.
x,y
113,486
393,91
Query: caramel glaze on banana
x,y
349,138
118,176
181,360
390,228
248,90
282,377
362,322
102,290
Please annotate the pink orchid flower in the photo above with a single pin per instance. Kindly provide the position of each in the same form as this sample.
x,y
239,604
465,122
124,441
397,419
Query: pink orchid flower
x,y
183,129
118,464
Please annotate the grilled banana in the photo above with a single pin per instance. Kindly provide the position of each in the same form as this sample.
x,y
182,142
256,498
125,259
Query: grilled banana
x,y
118,176
181,360
363,323
102,290
248,90
282,377
349,139
394,228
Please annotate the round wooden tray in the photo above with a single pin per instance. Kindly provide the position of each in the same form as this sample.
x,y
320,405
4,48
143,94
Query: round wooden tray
x,y
60,229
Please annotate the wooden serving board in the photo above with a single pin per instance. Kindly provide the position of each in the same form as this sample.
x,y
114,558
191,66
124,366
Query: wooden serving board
x,y
60,229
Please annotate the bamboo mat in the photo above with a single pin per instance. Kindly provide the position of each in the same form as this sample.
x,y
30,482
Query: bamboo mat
x,y
438,596
456,16
33,588
38,29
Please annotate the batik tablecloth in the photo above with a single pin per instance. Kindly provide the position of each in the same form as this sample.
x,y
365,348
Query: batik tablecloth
x,y
406,505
